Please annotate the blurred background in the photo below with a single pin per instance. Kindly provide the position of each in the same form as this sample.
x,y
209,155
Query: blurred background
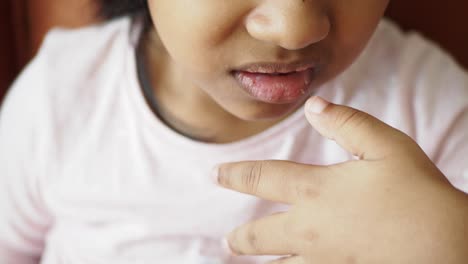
x,y
23,24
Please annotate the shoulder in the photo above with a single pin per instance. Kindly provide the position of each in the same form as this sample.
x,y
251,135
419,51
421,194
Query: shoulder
x,y
74,64
66,82
81,52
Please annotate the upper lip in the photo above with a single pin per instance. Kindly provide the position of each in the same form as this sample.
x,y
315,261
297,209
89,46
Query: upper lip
x,y
275,68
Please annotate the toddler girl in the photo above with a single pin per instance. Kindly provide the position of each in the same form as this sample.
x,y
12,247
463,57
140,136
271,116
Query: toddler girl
x,y
109,138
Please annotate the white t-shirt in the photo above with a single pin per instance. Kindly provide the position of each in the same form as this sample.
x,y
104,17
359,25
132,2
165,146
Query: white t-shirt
x,y
88,174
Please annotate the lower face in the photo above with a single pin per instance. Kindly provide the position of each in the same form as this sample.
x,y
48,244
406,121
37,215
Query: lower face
x,y
261,59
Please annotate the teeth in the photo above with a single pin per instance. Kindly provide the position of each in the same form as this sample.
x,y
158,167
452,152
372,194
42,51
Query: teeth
x,y
278,72
272,73
302,69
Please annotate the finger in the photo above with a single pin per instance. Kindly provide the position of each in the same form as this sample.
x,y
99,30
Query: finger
x,y
266,236
288,260
280,181
359,133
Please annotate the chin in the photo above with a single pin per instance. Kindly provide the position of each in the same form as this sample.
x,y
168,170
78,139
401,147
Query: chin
x,y
264,112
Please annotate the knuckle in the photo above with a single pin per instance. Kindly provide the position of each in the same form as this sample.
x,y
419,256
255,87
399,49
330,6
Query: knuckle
x,y
306,191
310,188
310,235
252,176
350,119
351,259
297,228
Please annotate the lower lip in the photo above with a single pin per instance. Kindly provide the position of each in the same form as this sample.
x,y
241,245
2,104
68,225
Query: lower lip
x,y
273,88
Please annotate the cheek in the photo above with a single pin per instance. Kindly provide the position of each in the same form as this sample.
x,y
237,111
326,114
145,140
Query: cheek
x,y
192,31
356,20
354,23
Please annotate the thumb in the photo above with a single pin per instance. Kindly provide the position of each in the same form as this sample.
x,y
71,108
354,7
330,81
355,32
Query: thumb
x,y
357,132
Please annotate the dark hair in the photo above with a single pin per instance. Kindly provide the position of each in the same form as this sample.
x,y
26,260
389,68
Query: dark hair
x,y
110,9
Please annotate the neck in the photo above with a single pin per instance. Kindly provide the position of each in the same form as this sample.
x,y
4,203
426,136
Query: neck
x,y
186,108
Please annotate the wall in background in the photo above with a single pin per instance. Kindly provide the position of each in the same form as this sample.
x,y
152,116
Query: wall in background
x,y
444,22
44,14
23,24
8,63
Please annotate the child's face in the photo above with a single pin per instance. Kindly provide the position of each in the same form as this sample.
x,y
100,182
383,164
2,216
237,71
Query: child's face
x,y
234,50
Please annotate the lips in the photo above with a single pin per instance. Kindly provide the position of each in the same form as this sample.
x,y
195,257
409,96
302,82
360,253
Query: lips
x,y
276,83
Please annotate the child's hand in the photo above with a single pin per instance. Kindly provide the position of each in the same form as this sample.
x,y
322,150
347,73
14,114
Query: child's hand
x,y
391,206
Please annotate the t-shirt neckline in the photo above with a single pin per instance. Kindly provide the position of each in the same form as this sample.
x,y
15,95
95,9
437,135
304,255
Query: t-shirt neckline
x,y
166,134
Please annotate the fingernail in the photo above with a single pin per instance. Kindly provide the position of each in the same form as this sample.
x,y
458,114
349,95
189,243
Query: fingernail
x,y
316,105
215,175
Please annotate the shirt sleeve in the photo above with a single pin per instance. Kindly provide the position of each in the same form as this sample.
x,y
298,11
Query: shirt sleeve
x,y
24,219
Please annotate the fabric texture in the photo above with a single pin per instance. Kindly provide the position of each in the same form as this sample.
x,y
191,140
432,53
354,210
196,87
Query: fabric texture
x,y
88,174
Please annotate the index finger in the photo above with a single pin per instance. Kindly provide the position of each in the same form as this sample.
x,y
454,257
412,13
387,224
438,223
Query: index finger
x,y
275,180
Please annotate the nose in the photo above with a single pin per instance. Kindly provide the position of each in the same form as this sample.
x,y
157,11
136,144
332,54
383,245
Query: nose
x,y
291,24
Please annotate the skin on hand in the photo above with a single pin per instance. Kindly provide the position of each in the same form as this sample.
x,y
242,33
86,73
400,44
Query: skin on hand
x,y
393,205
